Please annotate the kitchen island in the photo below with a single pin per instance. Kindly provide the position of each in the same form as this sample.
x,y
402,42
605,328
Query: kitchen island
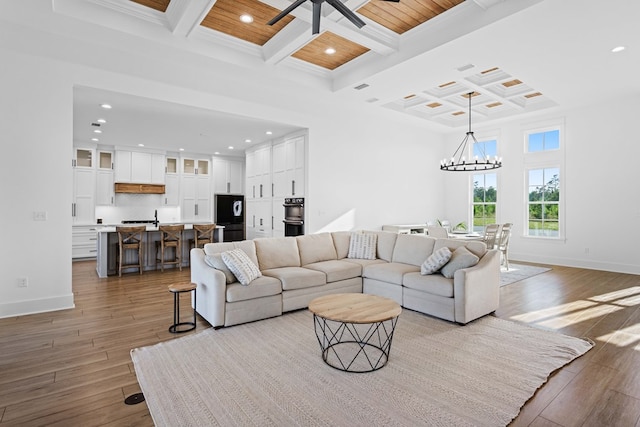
x,y
107,247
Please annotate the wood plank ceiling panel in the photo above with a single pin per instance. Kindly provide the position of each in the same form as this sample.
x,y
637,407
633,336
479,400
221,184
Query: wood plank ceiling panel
x,y
224,16
314,51
402,17
159,5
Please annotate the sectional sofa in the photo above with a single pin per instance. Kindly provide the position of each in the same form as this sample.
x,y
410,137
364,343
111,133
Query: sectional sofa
x,y
295,270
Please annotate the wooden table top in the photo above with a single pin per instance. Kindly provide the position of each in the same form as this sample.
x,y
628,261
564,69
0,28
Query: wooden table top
x,y
355,308
182,287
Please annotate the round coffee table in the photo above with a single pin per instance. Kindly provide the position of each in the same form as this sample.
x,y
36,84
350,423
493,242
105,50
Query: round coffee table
x,y
355,330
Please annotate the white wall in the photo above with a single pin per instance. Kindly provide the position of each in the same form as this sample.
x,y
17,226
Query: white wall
x,y
602,209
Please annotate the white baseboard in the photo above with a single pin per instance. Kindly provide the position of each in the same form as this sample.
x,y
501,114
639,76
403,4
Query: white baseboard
x,y
578,263
22,308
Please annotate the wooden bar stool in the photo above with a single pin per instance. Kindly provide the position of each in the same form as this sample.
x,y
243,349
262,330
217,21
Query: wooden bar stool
x,y
130,238
202,234
176,290
170,237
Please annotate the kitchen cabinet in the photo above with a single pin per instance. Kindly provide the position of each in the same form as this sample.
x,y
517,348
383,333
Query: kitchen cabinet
x,y
105,194
172,183
259,220
139,167
289,168
277,212
227,176
84,241
84,184
258,165
195,190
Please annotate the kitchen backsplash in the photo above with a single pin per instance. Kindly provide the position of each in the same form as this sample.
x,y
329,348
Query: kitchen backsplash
x,y
137,206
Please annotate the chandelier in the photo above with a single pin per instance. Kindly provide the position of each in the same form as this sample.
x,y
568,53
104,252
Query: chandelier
x,y
478,163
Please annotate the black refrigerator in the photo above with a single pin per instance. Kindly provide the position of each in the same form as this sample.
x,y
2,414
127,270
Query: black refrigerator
x,y
229,211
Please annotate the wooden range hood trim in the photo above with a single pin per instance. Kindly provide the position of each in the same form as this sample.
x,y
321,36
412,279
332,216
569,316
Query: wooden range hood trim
x,y
127,187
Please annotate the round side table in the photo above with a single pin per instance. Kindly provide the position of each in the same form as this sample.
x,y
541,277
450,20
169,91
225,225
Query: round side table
x,y
176,290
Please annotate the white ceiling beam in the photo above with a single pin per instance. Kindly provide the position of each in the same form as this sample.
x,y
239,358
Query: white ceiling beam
x,y
289,40
186,15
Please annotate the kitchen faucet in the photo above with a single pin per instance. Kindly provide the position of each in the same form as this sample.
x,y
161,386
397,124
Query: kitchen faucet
x,y
155,215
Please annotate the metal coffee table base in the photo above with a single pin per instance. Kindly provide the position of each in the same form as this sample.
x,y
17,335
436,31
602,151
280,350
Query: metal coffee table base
x,y
354,347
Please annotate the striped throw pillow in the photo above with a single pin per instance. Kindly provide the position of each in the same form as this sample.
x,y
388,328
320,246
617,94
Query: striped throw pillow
x,y
363,246
241,266
435,261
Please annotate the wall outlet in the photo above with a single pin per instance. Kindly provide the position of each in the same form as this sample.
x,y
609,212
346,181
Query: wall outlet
x,y
23,282
40,216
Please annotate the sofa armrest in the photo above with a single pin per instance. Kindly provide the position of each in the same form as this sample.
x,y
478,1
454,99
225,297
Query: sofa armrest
x,y
211,291
476,290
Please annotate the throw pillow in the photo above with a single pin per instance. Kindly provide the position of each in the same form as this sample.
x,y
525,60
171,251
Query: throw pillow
x,y
460,258
215,261
435,261
363,246
241,266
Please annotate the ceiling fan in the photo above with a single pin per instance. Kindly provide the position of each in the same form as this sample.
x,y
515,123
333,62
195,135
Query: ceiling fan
x,y
337,4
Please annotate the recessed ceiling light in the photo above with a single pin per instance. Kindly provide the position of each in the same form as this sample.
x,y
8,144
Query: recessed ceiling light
x,y
97,131
269,132
140,145
95,139
216,153
181,149
618,49
246,18
103,121
231,147
106,106
329,51
247,140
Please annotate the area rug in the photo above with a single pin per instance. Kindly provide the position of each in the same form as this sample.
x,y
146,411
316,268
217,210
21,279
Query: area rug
x,y
519,272
271,373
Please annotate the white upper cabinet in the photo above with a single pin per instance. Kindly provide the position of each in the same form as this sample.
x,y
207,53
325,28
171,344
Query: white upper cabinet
x,y
84,186
140,168
227,176
289,168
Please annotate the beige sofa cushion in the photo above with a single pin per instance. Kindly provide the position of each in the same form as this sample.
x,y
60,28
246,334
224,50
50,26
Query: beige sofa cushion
x,y
476,247
337,269
297,277
218,248
277,252
341,241
261,287
247,246
316,248
390,272
413,249
435,284
386,243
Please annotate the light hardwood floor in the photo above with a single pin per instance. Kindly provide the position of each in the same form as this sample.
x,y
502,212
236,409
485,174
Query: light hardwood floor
x,y
72,367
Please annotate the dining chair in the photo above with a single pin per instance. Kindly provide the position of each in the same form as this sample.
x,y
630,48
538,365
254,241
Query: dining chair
x,y
503,243
491,235
437,232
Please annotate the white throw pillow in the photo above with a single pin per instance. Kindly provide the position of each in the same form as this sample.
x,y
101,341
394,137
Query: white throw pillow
x,y
241,266
363,246
215,261
460,258
435,261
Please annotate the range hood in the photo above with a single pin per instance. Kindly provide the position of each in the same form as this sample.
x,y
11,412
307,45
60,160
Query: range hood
x,y
127,187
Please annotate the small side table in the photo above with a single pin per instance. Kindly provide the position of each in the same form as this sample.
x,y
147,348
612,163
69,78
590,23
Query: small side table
x,y
176,290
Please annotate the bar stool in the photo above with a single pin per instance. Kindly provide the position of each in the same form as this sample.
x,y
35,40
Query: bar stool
x,y
176,290
202,234
170,237
129,238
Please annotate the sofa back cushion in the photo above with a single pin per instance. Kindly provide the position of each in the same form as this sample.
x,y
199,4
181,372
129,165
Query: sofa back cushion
x,y
316,248
476,247
341,241
249,248
386,243
413,249
276,252
218,248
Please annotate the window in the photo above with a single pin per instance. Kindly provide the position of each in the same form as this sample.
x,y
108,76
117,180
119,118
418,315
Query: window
x,y
486,149
543,141
543,213
485,196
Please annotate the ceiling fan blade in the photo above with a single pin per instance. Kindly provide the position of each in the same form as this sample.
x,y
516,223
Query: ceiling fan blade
x,y
285,12
316,18
346,12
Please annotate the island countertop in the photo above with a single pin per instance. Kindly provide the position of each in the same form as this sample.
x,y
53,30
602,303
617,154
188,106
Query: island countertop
x,y
107,245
